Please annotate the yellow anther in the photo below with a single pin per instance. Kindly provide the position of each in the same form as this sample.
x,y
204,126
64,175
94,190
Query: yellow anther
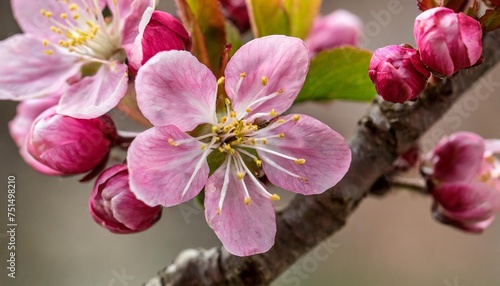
x,y
243,74
300,161
172,142
490,159
258,163
247,200
232,151
73,7
241,176
281,90
64,16
45,42
43,11
203,147
223,119
273,113
218,211
264,80
48,14
217,139
233,114
275,197
221,149
248,110
228,102
281,121
221,80
48,52
296,117
252,141
281,135
485,177
255,127
264,141
76,16
215,129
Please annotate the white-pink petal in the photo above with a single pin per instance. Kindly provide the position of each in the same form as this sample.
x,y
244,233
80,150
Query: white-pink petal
x,y
326,153
159,172
175,88
95,95
243,229
29,73
270,64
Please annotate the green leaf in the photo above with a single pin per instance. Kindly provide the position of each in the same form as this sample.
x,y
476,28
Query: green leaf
x,y
301,14
341,73
233,37
268,17
205,22
490,20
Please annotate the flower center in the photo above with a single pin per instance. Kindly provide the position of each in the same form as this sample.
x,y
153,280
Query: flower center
x,y
85,32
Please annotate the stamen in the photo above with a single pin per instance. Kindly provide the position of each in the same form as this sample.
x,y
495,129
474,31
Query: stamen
x,y
264,81
277,166
275,197
296,117
172,142
300,161
237,163
197,168
221,80
225,184
261,188
247,200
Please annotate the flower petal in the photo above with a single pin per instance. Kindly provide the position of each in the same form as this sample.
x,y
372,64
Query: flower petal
x,y
282,60
159,171
158,31
28,73
95,95
492,145
131,13
458,158
326,153
35,164
175,88
27,112
243,229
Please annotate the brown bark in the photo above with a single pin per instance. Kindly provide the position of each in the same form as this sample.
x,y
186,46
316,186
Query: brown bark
x,y
386,131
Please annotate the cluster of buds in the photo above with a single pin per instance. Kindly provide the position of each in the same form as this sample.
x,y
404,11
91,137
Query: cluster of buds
x,y
447,42
464,179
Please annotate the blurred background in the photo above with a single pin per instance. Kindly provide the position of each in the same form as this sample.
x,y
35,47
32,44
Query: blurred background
x,y
391,241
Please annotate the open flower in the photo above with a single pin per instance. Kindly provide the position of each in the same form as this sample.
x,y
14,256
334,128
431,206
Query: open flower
x,y
244,139
71,41
464,177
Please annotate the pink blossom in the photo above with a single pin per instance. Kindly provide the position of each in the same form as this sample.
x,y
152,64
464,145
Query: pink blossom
x,y
338,28
464,178
158,31
70,145
246,138
113,206
20,125
448,41
63,38
398,73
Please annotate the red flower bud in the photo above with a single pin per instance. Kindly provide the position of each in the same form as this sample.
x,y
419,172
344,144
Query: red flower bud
x,y
236,11
115,207
69,145
398,73
448,41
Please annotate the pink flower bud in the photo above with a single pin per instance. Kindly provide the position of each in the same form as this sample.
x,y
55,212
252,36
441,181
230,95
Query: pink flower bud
x,y
69,145
448,41
236,11
464,180
338,28
398,73
456,158
159,31
19,127
115,207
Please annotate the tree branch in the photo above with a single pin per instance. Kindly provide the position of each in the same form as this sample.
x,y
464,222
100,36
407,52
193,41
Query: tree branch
x,y
386,131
